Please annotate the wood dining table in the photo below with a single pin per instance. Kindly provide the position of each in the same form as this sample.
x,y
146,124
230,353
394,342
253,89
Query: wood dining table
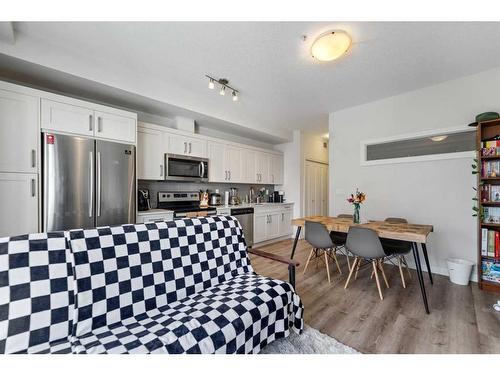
x,y
416,234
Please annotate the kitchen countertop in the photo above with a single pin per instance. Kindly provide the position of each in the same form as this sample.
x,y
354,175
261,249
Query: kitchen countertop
x,y
246,205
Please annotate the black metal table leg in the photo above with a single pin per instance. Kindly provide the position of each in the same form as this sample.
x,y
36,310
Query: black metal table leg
x,y
291,274
426,257
420,276
297,235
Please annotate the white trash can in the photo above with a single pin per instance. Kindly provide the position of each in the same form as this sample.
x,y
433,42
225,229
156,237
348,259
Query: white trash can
x,y
459,270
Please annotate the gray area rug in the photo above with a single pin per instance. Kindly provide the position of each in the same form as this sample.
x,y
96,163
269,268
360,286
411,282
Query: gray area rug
x,y
311,341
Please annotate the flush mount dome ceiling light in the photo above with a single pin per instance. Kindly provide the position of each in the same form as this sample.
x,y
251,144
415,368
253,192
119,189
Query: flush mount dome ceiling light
x,y
330,45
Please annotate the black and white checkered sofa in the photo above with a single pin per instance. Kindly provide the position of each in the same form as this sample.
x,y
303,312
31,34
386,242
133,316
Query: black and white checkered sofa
x,y
185,286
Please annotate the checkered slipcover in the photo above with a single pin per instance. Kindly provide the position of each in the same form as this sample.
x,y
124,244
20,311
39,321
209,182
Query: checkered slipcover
x,y
176,287
36,294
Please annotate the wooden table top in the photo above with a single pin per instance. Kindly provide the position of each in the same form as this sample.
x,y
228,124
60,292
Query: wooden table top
x,y
400,231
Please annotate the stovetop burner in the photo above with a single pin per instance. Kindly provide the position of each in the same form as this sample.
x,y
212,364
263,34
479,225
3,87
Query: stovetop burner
x,y
181,202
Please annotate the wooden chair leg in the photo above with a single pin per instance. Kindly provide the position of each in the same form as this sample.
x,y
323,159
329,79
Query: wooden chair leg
x,y
357,268
374,263
327,267
308,259
351,271
381,267
336,261
400,264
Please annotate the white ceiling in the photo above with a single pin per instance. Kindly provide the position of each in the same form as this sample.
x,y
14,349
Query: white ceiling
x,y
282,87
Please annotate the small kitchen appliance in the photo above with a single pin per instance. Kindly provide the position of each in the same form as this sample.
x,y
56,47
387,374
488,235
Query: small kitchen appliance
x,y
278,196
215,199
233,197
143,200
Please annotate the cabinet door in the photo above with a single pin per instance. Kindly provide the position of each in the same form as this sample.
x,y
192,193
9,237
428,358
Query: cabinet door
x,y
273,228
285,223
19,133
115,127
259,227
67,118
276,169
197,147
217,171
233,162
262,167
150,154
249,170
19,202
183,145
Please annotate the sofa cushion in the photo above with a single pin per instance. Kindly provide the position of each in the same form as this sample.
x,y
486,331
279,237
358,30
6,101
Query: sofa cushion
x,y
124,271
240,315
36,293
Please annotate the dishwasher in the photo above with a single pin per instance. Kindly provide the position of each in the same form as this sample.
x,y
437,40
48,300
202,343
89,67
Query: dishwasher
x,y
245,218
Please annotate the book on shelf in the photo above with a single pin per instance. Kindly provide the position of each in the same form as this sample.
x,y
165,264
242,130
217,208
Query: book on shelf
x,y
490,168
490,243
490,148
491,215
490,193
490,271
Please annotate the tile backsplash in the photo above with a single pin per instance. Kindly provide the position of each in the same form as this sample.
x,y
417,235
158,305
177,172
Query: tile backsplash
x,y
156,186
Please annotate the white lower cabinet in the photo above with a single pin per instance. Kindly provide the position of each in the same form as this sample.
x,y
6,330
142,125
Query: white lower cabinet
x,y
19,202
272,222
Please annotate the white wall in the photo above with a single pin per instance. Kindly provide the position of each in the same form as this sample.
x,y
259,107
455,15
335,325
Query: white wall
x,y
312,144
433,192
293,171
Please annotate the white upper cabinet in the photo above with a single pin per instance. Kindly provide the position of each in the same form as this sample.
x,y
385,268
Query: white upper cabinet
x,y
115,127
150,154
233,163
276,169
226,163
185,145
217,171
19,133
67,118
85,120
249,170
262,161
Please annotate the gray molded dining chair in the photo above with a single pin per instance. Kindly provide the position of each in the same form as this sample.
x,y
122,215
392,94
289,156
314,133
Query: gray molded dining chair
x,y
339,238
365,244
398,249
318,237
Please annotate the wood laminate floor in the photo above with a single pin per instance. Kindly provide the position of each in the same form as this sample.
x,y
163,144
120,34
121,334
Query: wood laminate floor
x,y
461,321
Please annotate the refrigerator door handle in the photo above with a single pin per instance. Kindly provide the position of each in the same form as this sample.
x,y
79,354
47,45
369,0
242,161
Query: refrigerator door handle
x,y
98,187
91,184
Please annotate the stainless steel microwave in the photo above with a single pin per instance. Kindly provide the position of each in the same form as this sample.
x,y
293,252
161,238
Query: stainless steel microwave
x,y
185,168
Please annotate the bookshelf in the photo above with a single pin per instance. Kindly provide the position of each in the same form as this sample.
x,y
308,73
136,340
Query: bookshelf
x,y
485,131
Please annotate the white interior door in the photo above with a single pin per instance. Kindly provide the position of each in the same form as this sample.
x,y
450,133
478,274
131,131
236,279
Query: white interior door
x,y
316,188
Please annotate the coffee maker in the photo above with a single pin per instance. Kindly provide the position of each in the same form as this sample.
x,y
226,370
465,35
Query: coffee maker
x,y
278,196
143,201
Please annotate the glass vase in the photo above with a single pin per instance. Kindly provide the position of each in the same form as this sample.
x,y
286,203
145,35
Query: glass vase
x,y
356,214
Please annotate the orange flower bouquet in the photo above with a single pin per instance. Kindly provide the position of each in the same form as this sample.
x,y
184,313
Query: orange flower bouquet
x,y
356,199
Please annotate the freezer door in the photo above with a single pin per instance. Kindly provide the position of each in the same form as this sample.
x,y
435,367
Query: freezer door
x,y
68,183
115,183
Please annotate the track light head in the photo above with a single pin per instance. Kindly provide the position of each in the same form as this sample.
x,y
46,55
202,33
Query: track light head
x,y
222,90
211,84
235,96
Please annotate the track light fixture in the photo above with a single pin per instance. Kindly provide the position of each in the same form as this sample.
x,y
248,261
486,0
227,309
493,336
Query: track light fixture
x,y
223,82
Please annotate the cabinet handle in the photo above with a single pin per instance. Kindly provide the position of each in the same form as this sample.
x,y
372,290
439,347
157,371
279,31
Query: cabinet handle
x,y
33,158
282,216
33,187
185,147
91,123
229,175
99,124
273,178
161,170
189,147
225,175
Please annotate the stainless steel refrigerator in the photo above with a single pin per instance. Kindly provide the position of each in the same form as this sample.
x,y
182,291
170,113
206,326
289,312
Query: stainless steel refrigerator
x,y
87,183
